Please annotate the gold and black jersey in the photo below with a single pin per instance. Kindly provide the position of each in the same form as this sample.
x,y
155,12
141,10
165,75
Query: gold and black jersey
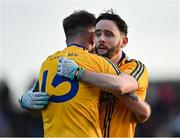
x,y
116,119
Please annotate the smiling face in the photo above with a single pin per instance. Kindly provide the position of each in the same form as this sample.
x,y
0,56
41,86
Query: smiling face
x,y
108,39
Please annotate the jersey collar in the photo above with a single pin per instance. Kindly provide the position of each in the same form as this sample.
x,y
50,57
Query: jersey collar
x,y
121,59
73,44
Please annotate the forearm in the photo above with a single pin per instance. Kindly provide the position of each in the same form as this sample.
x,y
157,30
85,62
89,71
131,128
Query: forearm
x,y
114,84
141,109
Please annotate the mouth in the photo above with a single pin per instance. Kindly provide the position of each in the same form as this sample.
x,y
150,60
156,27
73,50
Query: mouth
x,y
102,49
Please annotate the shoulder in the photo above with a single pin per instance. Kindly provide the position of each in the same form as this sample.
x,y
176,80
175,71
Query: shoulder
x,y
139,72
138,68
105,64
51,58
134,67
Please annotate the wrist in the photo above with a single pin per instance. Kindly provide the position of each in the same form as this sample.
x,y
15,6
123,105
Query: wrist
x,y
79,73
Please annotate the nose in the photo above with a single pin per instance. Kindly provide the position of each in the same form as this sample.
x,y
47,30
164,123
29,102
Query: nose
x,y
102,40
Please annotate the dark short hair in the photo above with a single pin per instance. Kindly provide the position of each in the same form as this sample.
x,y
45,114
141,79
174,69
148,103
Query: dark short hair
x,y
110,15
78,22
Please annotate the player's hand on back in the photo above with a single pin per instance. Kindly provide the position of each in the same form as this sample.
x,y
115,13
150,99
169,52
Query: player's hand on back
x,y
34,99
69,69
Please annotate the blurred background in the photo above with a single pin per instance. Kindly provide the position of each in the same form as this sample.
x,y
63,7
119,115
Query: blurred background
x,y
32,29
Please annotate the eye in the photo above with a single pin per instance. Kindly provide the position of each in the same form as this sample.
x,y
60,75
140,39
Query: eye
x,y
97,34
108,34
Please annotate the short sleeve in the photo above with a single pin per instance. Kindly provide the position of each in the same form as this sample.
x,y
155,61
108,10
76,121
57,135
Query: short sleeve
x,y
139,71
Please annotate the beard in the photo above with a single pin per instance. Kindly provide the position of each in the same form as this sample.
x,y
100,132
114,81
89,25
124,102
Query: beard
x,y
110,52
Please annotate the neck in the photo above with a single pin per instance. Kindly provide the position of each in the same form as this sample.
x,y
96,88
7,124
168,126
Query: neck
x,y
79,42
115,59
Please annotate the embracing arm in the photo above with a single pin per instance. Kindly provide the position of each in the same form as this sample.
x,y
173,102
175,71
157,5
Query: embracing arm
x,y
121,84
141,108
115,84
118,85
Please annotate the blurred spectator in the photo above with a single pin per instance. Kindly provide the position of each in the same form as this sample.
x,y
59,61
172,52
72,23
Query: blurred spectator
x,y
13,123
175,126
167,93
5,111
164,108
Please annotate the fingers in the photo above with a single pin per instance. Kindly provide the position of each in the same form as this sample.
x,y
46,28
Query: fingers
x,y
39,96
69,62
66,68
65,60
59,73
38,107
40,103
66,64
59,69
42,98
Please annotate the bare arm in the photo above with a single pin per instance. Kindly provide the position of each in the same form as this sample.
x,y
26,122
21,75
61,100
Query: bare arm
x,y
114,84
141,109
121,84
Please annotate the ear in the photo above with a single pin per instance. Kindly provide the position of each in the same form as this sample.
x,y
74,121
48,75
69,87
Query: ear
x,y
125,41
91,38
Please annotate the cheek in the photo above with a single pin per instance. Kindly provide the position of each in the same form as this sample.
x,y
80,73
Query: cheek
x,y
96,40
117,42
111,42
